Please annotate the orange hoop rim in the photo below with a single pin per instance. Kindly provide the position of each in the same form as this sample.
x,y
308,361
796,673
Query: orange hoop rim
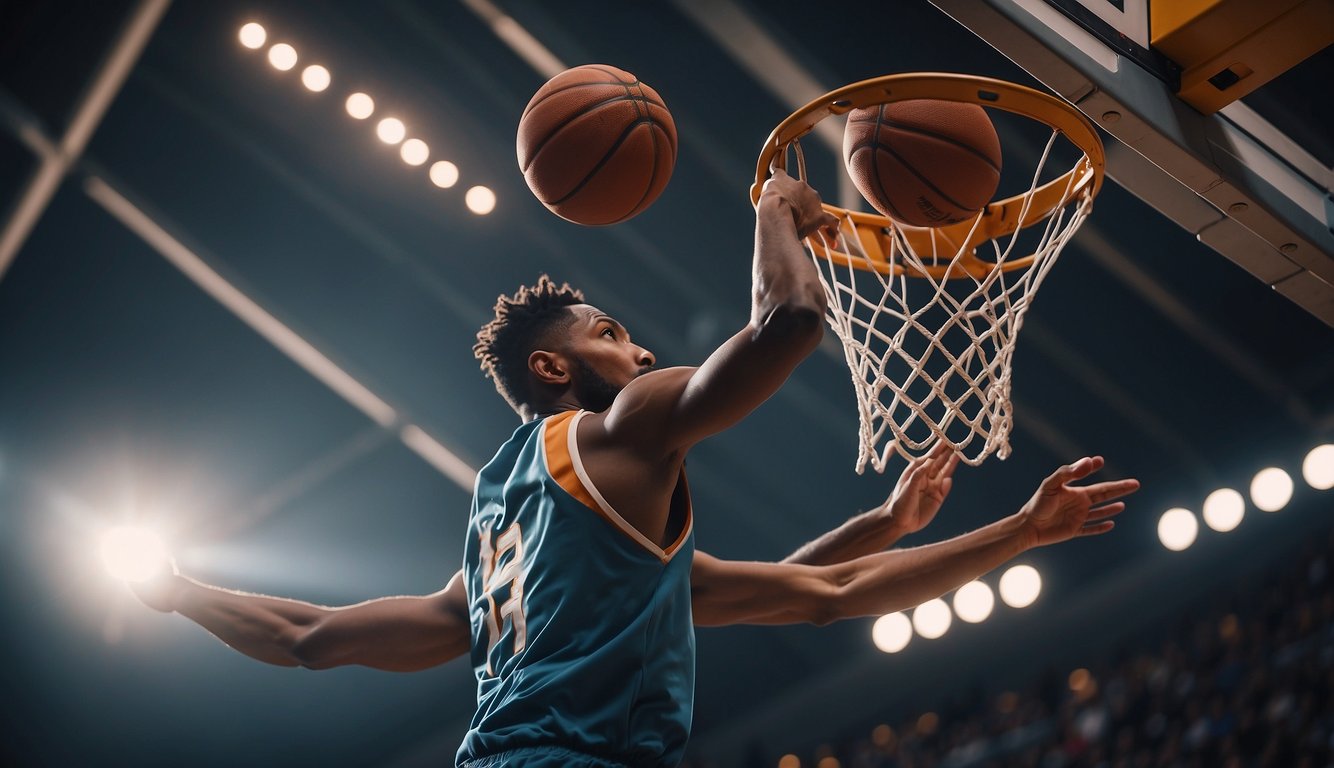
x,y
999,218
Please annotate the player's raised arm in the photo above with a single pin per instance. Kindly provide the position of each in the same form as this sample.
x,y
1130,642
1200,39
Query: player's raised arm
x,y
672,409
727,592
399,634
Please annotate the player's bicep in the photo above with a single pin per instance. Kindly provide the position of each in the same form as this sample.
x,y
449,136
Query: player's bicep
x,y
732,592
399,634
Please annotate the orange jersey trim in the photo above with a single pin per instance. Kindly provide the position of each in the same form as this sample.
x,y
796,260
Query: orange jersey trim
x,y
567,469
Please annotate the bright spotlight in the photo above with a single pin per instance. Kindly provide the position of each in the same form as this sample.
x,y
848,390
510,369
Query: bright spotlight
x,y
1318,467
932,619
253,36
360,106
1020,586
391,130
414,151
974,602
444,174
1177,529
1271,490
132,554
315,78
282,56
480,200
891,632
1223,509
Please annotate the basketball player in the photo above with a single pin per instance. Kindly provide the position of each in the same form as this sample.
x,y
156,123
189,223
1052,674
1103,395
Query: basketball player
x,y
581,581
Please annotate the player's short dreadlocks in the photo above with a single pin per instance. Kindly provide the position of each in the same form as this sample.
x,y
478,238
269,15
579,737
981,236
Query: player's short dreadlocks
x,y
520,325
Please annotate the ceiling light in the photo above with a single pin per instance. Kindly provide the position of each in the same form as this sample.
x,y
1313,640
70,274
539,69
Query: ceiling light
x,y
974,601
444,174
1020,586
1271,490
391,130
282,56
480,200
414,151
1318,467
932,619
1223,510
315,77
1177,529
360,106
253,35
891,632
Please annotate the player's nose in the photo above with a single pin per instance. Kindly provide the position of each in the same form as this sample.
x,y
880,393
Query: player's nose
x,y
645,358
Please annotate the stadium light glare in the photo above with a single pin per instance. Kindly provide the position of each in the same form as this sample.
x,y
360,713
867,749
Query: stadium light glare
x,y
282,56
1177,528
480,200
132,553
932,619
1318,467
414,152
974,601
1224,509
391,130
360,106
891,632
253,35
315,78
1020,586
444,174
1271,489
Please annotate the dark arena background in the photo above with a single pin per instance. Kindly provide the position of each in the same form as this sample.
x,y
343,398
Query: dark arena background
x,y
234,312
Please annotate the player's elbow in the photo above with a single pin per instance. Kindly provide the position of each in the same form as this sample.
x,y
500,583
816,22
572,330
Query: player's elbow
x,y
308,648
794,323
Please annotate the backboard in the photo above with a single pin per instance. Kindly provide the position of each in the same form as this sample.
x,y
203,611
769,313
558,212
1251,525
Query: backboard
x,y
1232,178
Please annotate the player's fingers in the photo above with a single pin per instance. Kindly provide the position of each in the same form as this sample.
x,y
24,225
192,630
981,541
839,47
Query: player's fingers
x,y
1112,489
1071,472
1096,528
1107,510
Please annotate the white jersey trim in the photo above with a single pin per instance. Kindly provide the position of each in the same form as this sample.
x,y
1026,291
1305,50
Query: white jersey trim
x,y
606,508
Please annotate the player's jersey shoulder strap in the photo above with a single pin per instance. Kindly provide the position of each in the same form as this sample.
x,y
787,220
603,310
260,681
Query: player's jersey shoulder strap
x,y
561,449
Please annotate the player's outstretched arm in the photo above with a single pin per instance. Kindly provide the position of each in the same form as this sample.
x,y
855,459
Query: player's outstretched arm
x,y
727,592
913,504
670,410
400,634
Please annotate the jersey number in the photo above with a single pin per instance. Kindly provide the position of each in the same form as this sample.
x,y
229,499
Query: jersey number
x,y
508,548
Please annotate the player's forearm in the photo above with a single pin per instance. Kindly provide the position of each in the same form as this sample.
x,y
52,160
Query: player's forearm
x,y
787,290
900,579
864,534
264,628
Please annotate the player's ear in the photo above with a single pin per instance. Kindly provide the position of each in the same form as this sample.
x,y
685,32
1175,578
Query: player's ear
x,y
549,367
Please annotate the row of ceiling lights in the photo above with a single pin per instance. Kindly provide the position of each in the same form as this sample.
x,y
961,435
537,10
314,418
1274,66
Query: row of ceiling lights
x,y
316,78
1271,490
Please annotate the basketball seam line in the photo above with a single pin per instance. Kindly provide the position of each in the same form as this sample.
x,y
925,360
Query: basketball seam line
x,y
551,134
923,179
653,138
947,139
882,193
593,172
571,87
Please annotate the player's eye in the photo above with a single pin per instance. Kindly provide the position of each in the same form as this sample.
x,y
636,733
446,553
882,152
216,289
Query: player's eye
x,y
609,332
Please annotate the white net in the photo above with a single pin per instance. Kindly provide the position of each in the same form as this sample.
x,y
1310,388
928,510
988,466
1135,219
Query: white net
x,y
929,320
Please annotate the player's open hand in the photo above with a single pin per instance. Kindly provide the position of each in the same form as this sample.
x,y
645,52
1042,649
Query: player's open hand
x,y
1060,511
804,202
922,488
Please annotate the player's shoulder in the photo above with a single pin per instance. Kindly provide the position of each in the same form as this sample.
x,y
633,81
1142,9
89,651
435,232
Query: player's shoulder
x,y
641,409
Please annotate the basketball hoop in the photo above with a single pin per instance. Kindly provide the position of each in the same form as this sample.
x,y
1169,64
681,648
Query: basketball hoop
x,y
931,356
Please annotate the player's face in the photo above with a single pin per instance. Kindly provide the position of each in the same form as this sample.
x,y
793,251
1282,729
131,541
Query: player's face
x,y
605,359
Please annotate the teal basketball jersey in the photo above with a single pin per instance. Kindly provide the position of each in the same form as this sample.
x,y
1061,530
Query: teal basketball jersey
x,y
582,636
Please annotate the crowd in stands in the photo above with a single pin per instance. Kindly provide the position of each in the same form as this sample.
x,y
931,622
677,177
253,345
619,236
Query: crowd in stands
x,y
1245,684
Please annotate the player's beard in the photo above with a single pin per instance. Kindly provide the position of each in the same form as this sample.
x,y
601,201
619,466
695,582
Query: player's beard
x,y
594,392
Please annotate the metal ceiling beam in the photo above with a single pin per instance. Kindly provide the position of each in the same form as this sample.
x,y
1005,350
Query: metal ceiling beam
x,y
56,158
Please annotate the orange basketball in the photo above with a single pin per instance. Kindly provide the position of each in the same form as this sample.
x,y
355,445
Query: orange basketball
x,y
922,162
595,145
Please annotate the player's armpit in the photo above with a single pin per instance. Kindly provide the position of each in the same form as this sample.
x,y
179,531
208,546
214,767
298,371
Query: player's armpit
x,y
733,592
